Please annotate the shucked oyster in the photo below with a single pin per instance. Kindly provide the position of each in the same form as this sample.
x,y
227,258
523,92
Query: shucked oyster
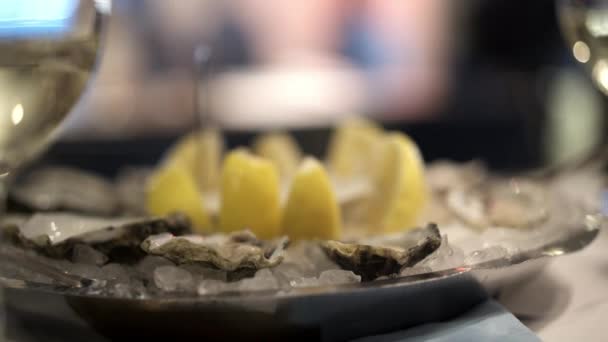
x,y
240,250
59,188
55,235
513,203
131,189
384,256
444,176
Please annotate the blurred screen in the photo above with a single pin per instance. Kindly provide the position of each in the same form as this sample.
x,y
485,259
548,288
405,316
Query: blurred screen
x,y
496,77
36,17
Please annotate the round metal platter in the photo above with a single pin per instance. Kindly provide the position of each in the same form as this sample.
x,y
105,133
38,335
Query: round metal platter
x,y
334,313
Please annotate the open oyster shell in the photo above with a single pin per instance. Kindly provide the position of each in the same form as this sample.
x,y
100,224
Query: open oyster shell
x,y
239,250
444,175
500,203
55,235
61,188
384,256
131,189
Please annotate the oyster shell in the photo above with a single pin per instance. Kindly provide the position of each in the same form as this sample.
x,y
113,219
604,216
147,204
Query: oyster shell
x,y
56,235
384,256
131,189
60,188
239,250
500,203
444,175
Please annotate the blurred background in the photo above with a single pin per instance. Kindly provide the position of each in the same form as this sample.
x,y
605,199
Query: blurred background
x,y
468,79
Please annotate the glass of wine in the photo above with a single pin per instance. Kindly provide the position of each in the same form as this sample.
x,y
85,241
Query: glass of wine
x,y
48,50
585,26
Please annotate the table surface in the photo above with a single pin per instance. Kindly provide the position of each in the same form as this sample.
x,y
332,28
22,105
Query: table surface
x,y
568,301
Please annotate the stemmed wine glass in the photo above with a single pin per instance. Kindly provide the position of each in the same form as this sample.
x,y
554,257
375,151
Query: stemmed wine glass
x,y
584,24
48,50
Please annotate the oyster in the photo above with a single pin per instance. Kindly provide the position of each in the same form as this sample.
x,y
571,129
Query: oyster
x,y
56,235
500,203
386,255
236,251
60,188
131,189
444,176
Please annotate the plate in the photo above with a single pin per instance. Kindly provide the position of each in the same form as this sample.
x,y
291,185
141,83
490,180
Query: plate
x,y
334,313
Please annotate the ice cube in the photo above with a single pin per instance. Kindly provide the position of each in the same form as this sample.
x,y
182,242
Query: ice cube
x,y
296,254
84,270
16,271
292,270
304,282
445,257
148,264
210,287
134,289
85,254
335,277
408,271
205,273
171,278
263,280
487,254
122,290
288,272
317,257
116,273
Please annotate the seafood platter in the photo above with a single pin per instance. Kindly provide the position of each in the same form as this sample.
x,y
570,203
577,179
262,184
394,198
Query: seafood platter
x,y
367,239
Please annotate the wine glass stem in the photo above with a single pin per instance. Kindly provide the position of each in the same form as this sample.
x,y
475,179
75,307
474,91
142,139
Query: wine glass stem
x,y
4,182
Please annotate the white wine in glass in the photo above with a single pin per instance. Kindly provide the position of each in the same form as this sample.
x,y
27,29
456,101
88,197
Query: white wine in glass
x,y
585,26
48,50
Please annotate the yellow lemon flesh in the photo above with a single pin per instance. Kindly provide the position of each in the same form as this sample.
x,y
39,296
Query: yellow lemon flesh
x,y
172,189
400,193
199,153
281,149
249,195
312,211
351,147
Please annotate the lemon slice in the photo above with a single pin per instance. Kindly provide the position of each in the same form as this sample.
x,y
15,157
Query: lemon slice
x,y
312,211
172,189
183,152
199,153
351,147
249,195
281,149
400,189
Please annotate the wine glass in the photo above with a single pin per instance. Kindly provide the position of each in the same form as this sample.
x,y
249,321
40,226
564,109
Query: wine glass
x,y
48,50
584,24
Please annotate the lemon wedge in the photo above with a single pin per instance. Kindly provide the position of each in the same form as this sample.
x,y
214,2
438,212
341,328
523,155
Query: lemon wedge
x,y
172,189
350,148
312,211
281,149
183,152
249,195
200,153
400,191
